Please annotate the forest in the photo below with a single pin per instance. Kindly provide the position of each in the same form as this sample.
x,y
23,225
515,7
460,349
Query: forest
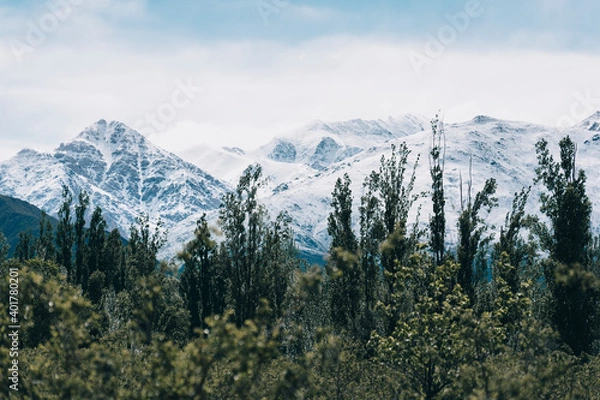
x,y
396,312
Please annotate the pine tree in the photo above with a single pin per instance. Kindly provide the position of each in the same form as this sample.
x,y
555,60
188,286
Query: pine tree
x,y
437,222
64,234
81,272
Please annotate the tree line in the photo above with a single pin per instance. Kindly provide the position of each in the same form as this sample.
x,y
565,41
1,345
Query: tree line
x,y
395,313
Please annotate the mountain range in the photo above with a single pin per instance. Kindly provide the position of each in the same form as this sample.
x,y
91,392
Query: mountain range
x,y
125,174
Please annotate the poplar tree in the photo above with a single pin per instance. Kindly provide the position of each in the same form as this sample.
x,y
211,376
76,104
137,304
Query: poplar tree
x,y
574,287
437,222
64,234
343,268
80,249
471,231
45,248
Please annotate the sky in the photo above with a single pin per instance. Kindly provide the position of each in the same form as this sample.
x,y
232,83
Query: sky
x,y
239,72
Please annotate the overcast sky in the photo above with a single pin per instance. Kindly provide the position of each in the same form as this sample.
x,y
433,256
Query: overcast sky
x,y
237,72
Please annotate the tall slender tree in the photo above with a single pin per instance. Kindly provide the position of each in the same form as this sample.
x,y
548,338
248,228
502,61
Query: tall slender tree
x,y
45,248
80,245
4,247
574,287
437,222
343,267
25,248
196,282
95,245
471,233
64,234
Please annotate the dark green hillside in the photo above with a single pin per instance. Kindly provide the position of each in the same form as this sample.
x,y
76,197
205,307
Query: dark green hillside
x,y
19,216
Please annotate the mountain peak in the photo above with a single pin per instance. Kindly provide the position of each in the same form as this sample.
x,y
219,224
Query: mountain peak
x,y
483,119
112,132
591,123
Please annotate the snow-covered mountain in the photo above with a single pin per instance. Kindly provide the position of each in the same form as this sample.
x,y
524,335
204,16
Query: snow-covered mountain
x,y
303,165
127,175
123,173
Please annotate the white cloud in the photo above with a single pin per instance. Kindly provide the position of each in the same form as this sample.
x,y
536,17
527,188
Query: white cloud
x,y
253,90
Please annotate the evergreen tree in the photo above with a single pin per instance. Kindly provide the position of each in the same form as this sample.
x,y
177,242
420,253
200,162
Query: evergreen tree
x,y
81,272
64,234
45,246
437,222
